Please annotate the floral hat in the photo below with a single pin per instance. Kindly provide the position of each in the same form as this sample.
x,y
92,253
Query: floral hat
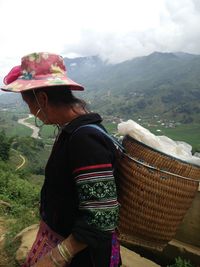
x,y
39,70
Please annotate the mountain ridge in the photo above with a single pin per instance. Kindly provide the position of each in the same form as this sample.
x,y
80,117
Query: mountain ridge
x,y
163,83
167,84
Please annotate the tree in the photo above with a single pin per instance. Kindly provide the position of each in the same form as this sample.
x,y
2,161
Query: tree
x,y
4,146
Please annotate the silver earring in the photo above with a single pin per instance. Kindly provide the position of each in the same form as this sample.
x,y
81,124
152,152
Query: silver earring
x,y
57,130
39,125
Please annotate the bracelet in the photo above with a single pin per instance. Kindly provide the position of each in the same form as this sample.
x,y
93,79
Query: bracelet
x,y
64,252
54,260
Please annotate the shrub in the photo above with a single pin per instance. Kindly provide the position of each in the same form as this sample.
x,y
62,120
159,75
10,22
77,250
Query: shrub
x,y
22,200
181,263
4,146
15,188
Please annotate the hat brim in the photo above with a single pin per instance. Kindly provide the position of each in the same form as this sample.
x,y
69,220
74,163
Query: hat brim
x,y
21,85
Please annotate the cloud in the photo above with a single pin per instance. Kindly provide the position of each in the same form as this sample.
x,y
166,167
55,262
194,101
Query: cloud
x,y
116,30
177,30
109,46
182,21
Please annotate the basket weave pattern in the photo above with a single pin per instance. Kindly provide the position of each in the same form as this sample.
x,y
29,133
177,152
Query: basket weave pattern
x,y
153,203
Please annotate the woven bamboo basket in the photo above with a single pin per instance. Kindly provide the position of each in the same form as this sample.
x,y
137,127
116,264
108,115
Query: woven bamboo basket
x,y
155,192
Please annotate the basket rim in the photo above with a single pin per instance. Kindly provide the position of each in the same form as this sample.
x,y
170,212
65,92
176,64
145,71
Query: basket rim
x,y
161,152
160,170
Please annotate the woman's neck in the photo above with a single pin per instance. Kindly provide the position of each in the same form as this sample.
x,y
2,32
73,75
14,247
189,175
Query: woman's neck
x,y
64,114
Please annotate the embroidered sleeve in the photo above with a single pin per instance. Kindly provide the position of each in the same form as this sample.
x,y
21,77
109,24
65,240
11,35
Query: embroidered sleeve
x,y
93,174
97,195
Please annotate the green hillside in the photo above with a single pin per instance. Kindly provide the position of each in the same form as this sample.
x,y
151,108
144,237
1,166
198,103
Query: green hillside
x,y
162,83
167,84
160,91
161,87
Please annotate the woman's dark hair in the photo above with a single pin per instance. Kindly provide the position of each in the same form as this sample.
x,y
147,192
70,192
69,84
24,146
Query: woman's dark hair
x,y
57,95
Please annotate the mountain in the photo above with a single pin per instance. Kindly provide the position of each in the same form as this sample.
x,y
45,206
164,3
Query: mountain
x,y
10,99
165,84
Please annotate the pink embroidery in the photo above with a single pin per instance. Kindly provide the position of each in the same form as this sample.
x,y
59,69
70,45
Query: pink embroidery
x,y
115,254
46,240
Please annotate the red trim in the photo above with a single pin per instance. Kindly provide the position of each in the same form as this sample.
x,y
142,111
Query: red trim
x,y
93,167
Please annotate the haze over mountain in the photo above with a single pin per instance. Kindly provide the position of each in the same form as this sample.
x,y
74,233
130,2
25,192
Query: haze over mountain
x,y
167,84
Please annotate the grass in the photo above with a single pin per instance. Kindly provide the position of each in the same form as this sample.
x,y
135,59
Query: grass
x,y
19,130
35,179
31,120
23,198
47,132
110,127
189,133
179,262
8,122
20,216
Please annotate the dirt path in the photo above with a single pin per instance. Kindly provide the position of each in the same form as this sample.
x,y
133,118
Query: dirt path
x,y
23,162
35,129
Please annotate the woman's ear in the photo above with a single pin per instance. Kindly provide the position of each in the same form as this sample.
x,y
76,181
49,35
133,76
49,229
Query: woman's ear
x,y
42,99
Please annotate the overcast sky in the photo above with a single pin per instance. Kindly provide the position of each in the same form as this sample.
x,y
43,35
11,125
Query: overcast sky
x,y
116,30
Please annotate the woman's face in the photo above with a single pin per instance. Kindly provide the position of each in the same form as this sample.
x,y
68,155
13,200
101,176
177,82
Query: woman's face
x,y
32,104
34,108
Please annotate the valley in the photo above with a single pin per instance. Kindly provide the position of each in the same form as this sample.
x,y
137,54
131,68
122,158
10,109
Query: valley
x,y
161,92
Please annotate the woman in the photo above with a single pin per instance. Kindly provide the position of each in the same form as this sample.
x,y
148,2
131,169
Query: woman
x,y
79,208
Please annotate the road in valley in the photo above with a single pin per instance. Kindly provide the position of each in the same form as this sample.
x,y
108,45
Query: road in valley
x,y
35,129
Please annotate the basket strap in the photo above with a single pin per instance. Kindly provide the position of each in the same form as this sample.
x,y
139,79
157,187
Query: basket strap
x,y
122,149
112,138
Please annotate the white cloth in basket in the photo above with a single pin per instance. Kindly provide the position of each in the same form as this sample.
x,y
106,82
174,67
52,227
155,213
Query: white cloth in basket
x,y
178,149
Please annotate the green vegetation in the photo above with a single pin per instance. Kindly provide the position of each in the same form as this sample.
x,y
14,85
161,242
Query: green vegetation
x,y
22,200
189,133
110,127
15,159
162,90
48,133
34,150
167,84
181,263
19,130
4,146
20,187
8,123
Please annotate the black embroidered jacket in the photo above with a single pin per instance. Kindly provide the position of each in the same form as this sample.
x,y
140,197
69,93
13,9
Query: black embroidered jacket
x,y
79,193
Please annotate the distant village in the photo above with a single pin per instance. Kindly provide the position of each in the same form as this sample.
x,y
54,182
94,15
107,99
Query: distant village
x,y
151,122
